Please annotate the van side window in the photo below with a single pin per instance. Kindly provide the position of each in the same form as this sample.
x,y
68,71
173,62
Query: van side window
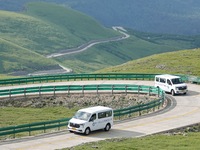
x,y
104,114
168,82
157,79
162,80
93,117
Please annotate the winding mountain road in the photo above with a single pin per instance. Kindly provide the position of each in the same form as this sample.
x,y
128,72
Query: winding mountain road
x,y
183,111
91,43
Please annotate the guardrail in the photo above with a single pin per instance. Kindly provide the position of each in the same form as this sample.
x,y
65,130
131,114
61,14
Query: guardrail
x,y
105,76
37,126
68,77
13,130
39,90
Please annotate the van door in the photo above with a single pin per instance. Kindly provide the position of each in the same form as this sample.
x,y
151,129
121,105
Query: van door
x,y
93,122
169,85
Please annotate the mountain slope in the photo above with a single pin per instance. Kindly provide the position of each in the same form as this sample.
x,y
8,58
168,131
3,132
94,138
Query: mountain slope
x,y
43,29
47,28
180,62
14,58
137,46
158,16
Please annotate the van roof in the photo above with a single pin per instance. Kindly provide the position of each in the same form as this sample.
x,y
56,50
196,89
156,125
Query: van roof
x,y
95,109
167,76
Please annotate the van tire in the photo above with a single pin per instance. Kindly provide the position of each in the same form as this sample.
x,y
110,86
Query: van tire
x,y
172,92
87,131
107,127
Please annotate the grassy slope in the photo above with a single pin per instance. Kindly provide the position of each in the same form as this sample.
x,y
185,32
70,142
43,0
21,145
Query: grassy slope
x,y
14,57
19,116
157,142
43,28
137,46
180,62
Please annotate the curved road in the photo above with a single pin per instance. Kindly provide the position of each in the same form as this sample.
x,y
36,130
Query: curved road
x,y
91,43
183,111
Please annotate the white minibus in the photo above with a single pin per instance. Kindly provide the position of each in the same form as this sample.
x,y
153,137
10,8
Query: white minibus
x,y
90,119
170,83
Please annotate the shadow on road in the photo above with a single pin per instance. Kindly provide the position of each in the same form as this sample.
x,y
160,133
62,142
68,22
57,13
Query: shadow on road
x,y
113,133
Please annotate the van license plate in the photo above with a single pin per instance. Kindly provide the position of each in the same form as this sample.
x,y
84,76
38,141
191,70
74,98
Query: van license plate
x,y
73,128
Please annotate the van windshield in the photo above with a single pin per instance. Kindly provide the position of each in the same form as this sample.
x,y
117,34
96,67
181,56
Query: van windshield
x,y
82,115
177,81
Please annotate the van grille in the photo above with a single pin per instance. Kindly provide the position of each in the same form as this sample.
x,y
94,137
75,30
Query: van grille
x,y
182,88
74,125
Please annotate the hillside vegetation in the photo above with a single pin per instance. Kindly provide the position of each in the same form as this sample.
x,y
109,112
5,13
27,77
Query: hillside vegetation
x,y
16,58
180,62
43,29
139,45
158,16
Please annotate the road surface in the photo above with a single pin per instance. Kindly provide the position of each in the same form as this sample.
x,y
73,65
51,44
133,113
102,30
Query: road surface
x,y
183,111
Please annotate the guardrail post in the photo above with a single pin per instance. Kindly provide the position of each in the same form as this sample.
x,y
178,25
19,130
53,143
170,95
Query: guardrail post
x,y
54,91
97,89
126,89
83,89
112,89
68,89
149,91
59,126
39,91
29,130
44,128
158,91
10,93
25,92
138,90
139,110
14,133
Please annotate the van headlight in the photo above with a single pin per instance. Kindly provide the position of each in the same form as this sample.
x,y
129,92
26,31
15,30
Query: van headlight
x,y
82,125
177,88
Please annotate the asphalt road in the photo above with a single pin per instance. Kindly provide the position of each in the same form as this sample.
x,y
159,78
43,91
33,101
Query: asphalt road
x,y
183,111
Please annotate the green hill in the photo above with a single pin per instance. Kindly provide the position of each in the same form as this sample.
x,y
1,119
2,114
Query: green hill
x,y
47,28
139,45
40,30
14,58
180,62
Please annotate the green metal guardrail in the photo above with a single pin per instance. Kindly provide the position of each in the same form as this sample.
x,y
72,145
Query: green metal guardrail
x,y
63,122
106,76
39,90
13,130
68,77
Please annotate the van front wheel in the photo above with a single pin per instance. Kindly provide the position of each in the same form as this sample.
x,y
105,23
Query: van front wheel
x,y
172,92
87,131
107,128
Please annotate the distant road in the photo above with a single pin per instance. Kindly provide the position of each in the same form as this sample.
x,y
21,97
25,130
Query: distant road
x,y
91,43
184,110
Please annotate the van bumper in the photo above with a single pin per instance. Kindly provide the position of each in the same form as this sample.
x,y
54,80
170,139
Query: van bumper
x,y
181,91
78,130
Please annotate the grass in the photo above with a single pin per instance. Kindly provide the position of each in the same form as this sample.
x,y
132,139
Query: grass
x,y
139,45
19,116
14,57
40,30
180,62
156,142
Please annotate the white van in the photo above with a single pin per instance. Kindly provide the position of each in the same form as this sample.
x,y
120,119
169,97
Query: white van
x,y
90,119
170,83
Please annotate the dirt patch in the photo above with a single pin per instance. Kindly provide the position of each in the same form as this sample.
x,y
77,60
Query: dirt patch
x,y
115,101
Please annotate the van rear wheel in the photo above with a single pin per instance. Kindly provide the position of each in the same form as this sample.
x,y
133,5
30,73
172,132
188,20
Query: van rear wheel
x,y
107,128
